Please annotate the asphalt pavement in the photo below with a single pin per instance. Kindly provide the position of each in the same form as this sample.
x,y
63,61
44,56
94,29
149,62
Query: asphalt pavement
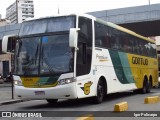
x,y
6,95
80,106
64,110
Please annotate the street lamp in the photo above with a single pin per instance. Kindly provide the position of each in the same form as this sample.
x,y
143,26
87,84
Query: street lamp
x,y
149,2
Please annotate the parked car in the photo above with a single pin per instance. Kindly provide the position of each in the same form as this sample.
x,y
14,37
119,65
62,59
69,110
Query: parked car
x,y
8,78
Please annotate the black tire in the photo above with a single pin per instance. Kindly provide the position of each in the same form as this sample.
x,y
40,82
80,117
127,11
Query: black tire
x,y
52,101
145,86
148,90
136,91
100,93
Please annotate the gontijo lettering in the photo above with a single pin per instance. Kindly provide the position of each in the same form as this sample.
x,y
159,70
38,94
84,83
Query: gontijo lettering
x,y
139,61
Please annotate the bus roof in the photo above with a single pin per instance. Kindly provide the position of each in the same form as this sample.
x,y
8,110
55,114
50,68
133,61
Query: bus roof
x,y
61,15
101,21
46,17
124,30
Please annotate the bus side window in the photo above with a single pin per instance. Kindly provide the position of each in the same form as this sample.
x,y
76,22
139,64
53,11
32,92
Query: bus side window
x,y
84,54
81,54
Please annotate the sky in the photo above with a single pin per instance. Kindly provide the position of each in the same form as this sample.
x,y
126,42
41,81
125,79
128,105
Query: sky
x,y
45,8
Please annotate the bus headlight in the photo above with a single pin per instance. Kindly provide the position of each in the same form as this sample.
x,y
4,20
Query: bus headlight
x,y
66,81
18,82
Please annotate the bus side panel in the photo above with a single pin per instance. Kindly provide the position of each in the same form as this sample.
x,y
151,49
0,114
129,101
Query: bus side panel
x,y
114,66
143,66
86,86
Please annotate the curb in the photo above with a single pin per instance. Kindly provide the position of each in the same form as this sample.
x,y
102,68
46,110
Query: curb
x,y
150,100
121,107
12,102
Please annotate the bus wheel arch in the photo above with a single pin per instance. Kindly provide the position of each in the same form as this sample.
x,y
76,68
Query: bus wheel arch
x,y
101,90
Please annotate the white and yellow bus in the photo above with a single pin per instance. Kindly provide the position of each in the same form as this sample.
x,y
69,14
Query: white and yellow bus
x,y
79,56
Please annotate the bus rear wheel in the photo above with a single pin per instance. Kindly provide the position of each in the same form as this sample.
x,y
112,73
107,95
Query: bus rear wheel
x,y
52,101
146,87
148,90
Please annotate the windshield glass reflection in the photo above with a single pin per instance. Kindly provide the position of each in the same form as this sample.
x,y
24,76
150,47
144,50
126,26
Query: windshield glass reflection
x,y
44,55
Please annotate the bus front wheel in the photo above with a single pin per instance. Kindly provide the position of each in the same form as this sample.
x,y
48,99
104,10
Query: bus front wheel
x,y
100,93
52,101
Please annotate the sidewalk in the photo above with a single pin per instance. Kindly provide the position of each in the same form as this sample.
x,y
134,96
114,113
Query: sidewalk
x,y
6,94
5,85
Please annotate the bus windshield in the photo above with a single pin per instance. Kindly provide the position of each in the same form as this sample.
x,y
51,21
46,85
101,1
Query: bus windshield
x,y
44,55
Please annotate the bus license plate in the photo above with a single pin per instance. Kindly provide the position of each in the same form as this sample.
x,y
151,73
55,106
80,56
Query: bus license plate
x,y
39,93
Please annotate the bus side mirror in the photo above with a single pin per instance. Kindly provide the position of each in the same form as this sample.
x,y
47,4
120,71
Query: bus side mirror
x,y
8,43
4,44
73,36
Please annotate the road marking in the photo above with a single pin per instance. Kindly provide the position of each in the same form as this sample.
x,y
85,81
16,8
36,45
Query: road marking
x,y
156,94
86,117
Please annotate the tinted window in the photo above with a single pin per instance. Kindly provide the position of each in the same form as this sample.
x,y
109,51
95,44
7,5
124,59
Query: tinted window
x,y
108,37
102,36
84,54
55,24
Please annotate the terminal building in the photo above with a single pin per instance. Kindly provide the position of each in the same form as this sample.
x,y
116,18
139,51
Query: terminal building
x,y
4,22
5,59
20,10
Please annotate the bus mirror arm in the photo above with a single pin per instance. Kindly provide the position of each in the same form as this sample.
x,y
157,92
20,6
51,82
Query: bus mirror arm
x,y
77,48
73,37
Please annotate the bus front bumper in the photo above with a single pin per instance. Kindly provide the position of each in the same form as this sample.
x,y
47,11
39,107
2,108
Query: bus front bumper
x,y
67,91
